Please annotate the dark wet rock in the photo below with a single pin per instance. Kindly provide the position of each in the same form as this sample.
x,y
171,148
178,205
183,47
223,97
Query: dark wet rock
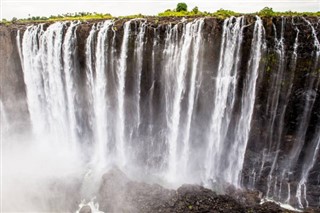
x,y
194,198
113,191
269,207
312,210
119,194
85,209
12,91
245,197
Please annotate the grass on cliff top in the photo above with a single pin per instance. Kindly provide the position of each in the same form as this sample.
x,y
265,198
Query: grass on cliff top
x,y
221,14
89,16
82,16
268,12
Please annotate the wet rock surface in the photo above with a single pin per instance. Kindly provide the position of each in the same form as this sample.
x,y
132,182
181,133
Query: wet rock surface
x,y
85,209
120,194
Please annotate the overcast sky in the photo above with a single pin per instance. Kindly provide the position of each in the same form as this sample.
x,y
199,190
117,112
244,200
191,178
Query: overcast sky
x,y
22,8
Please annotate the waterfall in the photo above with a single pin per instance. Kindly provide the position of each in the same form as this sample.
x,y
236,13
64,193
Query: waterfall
x,y
33,77
121,74
273,101
310,100
191,101
177,52
49,65
180,71
70,68
139,50
237,152
18,40
308,165
225,93
177,57
4,124
197,42
54,88
90,50
97,84
293,64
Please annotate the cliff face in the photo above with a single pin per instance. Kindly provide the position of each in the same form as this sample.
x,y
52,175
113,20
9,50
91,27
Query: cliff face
x,y
232,100
286,118
13,94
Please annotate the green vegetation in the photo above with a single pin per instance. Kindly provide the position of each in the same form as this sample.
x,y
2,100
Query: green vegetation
x,y
268,12
225,13
14,19
82,16
195,10
181,7
174,13
181,10
133,16
222,14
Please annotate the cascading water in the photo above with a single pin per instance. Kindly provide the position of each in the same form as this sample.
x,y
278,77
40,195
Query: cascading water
x,y
277,169
139,47
34,81
224,95
97,84
308,105
177,55
273,102
293,64
178,48
309,163
70,68
50,65
4,124
197,42
121,74
236,156
176,102
310,100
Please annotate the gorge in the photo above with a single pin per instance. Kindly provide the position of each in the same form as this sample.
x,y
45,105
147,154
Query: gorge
x,y
167,100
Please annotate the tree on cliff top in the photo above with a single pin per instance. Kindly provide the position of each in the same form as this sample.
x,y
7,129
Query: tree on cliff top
x,y
267,11
181,7
195,10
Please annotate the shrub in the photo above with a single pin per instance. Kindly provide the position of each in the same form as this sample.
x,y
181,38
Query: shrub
x,y
267,11
224,13
195,10
181,7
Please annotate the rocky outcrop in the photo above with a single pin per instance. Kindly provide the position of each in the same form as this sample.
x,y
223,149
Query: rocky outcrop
x,y
120,194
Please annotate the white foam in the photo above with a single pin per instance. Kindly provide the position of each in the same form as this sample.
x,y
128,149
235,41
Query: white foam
x,y
93,206
282,205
